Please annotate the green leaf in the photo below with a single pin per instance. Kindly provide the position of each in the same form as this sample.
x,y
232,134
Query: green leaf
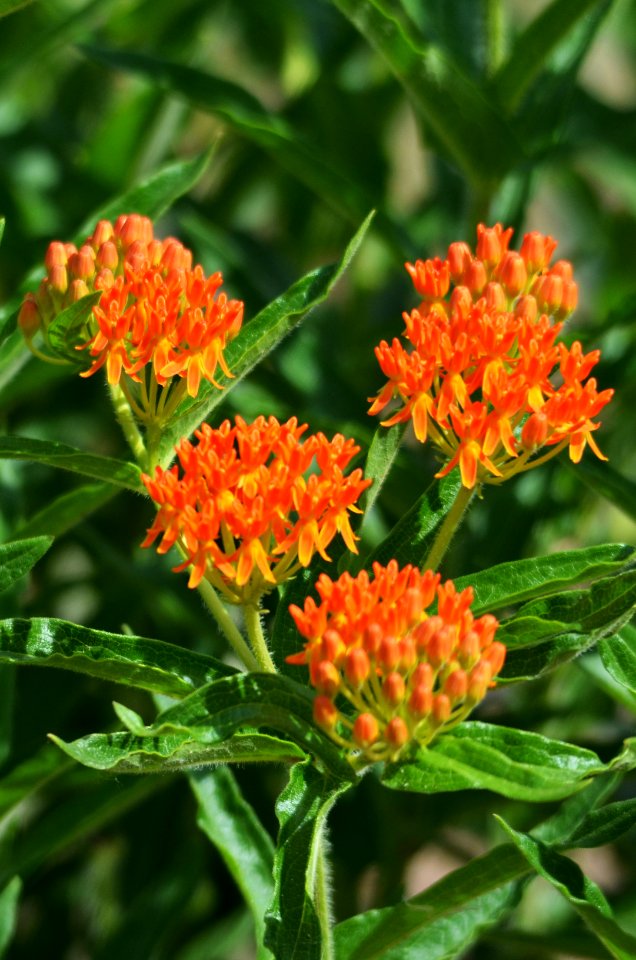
x,y
66,511
154,195
26,780
605,825
134,661
298,919
604,479
9,898
412,537
441,922
380,458
2,219
229,821
584,895
509,583
534,46
618,654
547,632
121,473
258,338
178,751
559,828
17,558
470,129
63,329
7,7
211,715
481,756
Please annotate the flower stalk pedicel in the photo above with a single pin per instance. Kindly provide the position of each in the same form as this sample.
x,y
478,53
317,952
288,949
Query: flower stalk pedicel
x,y
404,674
486,379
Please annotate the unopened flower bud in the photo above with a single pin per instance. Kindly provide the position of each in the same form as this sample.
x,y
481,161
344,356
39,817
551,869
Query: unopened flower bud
x,y
569,300
496,301
492,243
536,250
389,653
478,681
526,309
82,263
58,278
512,273
365,730
102,234
459,258
423,633
56,255
325,713
357,667
461,301
548,291
423,675
535,431
394,689
476,278
107,256
440,646
396,733
372,638
441,708
29,317
421,701
332,647
104,279
431,278
77,290
327,678
495,655
456,685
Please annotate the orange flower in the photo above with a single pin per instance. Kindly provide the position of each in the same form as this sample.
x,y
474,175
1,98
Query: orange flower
x,y
242,510
156,314
486,379
408,673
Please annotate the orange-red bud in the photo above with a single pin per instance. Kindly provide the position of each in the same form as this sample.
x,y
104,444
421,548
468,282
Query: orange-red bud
x,y
423,675
512,273
495,655
365,730
421,701
495,297
461,301
396,733
102,233
536,250
107,255
394,689
441,708
459,258
58,278
423,633
548,291
357,667
476,278
456,685
332,647
372,638
56,255
77,290
469,649
535,431
492,243
478,681
325,713
327,678
389,653
440,646
82,263
29,317
526,309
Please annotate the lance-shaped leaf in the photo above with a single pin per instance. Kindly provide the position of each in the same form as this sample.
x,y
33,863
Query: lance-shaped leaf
x,y
25,780
514,763
7,7
618,654
548,632
9,898
66,511
121,473
17,558
298,918
469,128
213,714
441,922
507,584
380,458
134,661
64,328
257,339
605,824
580,892
611,484
231,824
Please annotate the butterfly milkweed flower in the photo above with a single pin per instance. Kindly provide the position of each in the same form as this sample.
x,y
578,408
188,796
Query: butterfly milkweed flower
x,y
402,673
484,377
244,510
159,320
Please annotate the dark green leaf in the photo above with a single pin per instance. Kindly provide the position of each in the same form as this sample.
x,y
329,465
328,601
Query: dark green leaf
x,y
547,632
441,922
584,895
618,654
607,481
469,128
23,782
64,328
258,338
134,661
604,825
534,45
559,828
7,7
510,583
229,821
380,459
514,763
17,558
208,717
66,511
121,473
8,903
298,918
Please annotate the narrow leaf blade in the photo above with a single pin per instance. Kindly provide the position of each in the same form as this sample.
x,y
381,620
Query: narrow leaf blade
x,y
17,558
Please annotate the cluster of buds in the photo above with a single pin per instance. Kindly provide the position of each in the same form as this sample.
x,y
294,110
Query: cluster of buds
x,y
485,378
157,314
404,674
242,510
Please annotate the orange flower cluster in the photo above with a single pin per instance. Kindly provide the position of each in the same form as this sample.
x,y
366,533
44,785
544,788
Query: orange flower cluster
x,y
155,308
408,674
242,510
486,379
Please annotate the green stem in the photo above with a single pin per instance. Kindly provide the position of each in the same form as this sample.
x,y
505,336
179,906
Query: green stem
x,y
254,627
127,422
227,625
447,529
493,20
322,900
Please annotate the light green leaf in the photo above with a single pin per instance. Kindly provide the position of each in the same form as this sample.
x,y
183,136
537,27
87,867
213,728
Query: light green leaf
x,y
481,756
229,821
66,511
9,903
257,339
121,473
547,632
534,46
618,654
133,661
470,129
581,892
509,583
63,329
3,222
297,925
441,922
17,558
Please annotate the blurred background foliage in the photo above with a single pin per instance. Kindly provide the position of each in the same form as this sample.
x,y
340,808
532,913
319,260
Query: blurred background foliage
x,y
438,114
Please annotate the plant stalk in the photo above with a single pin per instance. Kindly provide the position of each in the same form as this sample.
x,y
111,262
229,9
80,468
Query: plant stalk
x,y
227,625
447,529
254,626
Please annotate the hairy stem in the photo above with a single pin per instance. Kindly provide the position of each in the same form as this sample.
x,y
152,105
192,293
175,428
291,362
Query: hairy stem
x,y
130,429
447,529
227,625
254,627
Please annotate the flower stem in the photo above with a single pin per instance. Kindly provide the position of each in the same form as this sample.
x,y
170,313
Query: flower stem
x,y
447,529
322,899
126,420
252,615
227,625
